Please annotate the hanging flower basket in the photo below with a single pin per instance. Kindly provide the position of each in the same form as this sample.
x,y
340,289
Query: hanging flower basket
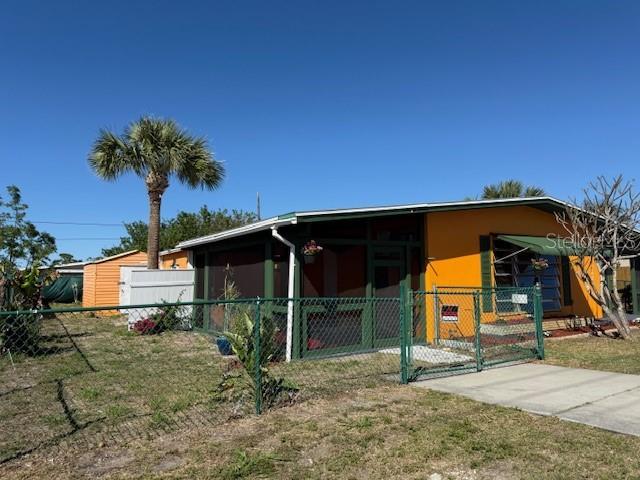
x,y
539,264
310,251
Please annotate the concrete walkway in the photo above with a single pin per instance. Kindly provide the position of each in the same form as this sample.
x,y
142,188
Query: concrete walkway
x,y
601,399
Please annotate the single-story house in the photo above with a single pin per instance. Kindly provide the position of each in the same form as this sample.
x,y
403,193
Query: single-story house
x,y
174,259
371,252
101,278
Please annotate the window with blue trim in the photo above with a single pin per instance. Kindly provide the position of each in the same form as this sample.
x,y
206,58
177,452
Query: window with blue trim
x,y
513,267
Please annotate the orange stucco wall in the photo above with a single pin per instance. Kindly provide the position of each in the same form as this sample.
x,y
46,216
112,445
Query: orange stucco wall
x,y
101,280
181,259
453,253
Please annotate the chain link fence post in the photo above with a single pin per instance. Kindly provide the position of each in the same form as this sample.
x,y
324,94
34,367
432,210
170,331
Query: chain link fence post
x,y
537,316
257,339
476,323
404,344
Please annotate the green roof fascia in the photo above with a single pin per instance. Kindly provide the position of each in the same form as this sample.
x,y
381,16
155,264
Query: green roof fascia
x,y
542,245
302,217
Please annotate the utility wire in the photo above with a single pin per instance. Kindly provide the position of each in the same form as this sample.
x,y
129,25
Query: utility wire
x,y
81,223
89,238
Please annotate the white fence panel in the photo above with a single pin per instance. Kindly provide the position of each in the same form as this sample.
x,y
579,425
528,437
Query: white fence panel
x,y
157,286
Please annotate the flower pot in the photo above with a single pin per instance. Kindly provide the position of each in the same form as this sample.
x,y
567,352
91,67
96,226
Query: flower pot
x,y
309,259
224,346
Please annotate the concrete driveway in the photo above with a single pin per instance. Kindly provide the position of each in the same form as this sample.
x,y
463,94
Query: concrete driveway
x,y
601,399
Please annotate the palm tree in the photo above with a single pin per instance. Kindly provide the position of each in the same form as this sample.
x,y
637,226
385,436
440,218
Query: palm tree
x,y
156,150
511,189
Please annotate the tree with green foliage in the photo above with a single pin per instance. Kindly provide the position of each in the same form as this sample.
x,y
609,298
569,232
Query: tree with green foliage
x,y
64,258
184,226
21,243
511,189
23,248
157,151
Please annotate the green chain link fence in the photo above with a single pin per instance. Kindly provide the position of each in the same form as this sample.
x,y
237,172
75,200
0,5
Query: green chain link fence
x,y
119,372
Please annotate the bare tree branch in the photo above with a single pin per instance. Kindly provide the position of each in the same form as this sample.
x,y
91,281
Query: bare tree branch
x,y
602,229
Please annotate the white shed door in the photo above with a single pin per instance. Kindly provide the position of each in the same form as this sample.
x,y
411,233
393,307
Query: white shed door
x,y
125,285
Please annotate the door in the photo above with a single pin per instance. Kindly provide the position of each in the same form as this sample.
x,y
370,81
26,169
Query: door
x,y
389,271
125,285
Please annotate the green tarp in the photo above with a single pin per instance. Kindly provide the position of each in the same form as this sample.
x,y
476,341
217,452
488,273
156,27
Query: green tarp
x,y
66,289
542,245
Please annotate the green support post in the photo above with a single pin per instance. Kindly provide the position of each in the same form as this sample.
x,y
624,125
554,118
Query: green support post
x,y
257,352
409,322
404,361
537,317
476,323
635,294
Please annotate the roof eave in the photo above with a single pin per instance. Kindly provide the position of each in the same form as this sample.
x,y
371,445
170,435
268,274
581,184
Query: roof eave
x,y
236,232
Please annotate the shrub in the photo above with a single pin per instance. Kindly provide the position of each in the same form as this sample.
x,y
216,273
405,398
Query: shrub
x,y
275,390
168,317
20,290
146,327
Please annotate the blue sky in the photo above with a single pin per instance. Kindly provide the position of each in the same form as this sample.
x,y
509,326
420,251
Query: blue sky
x,y
317,104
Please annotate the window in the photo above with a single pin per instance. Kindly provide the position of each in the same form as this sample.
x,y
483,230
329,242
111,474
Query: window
x,y
244,267
513,268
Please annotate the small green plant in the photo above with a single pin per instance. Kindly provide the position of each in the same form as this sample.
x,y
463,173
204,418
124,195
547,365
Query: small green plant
x,y
246,464
256,375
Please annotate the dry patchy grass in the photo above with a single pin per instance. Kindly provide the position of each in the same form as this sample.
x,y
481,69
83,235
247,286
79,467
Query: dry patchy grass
x,y
109,404
597,353
380,433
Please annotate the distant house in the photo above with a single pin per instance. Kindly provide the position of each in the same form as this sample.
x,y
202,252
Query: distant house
x,y
68,269
174,259
101,278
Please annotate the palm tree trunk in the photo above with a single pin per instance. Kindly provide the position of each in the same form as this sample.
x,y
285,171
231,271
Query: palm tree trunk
x,y
153,234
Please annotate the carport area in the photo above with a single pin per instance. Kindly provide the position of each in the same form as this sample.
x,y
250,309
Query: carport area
x,y
601,399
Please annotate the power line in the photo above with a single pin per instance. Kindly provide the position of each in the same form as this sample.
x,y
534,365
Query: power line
x,y
81,223
89,238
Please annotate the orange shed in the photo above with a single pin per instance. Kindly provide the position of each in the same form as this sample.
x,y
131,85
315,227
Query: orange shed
x,y
175,258
101,278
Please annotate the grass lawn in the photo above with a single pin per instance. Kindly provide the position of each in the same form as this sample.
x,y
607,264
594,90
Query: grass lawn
x,y
106,403
597,353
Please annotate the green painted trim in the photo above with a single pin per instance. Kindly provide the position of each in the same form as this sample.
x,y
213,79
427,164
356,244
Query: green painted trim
x,y
635,294
257,340
404,339
486,272
476,327
268,269
296,347
565,274
206,310
551,206
537,316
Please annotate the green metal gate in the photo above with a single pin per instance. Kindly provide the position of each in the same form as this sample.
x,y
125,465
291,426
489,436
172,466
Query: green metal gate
x,y
457,329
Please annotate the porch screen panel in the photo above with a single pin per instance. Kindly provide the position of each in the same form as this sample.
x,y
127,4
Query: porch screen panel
x,y
339,271
243,269
200,265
